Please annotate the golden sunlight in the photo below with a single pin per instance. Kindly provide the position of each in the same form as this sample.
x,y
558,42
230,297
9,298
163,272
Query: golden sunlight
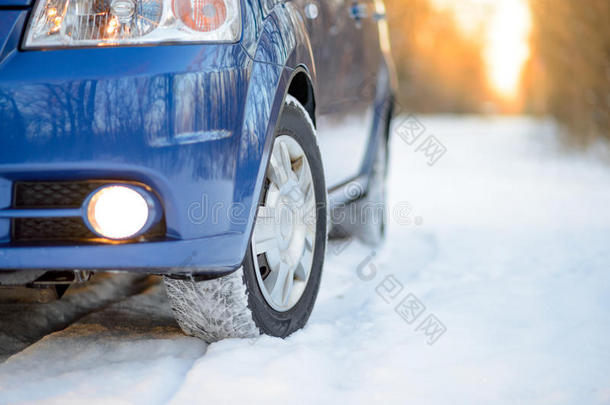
x,y
506,26
507,47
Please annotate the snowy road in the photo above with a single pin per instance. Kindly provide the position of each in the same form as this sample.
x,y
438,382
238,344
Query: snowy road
x,y
498,255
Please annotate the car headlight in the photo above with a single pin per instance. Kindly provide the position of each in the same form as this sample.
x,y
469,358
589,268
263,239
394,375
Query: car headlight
x,y
68,23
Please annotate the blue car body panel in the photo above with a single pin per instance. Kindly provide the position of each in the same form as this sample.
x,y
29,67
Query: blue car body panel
x,y
192,122
15,3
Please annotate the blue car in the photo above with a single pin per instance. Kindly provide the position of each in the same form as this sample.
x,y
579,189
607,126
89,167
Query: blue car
x,y
213,142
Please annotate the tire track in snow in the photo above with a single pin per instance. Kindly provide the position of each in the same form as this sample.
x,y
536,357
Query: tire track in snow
x,y
22,324
130,352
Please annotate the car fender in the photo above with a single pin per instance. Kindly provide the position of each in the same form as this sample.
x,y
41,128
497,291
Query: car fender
x,y
283,50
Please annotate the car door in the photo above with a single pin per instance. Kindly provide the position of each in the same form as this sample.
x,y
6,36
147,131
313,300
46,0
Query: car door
x,y
363,92
345,70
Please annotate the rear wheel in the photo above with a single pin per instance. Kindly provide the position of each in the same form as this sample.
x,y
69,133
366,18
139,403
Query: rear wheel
x,y
373,207
275,290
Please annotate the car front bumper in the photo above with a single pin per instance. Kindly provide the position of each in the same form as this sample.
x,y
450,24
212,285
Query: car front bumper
x,y
170,117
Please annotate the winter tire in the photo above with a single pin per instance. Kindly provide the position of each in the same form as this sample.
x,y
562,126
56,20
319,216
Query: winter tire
x,y
275,289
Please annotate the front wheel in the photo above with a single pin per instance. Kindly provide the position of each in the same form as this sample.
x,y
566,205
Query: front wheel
x,y
275,289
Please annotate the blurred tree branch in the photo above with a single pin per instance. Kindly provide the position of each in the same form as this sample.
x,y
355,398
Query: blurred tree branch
x,y
439,67
569,74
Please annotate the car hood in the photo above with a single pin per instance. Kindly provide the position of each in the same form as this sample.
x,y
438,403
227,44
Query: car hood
x,y
11,23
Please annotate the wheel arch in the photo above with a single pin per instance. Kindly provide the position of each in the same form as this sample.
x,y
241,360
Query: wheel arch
x,y
282,64
301,88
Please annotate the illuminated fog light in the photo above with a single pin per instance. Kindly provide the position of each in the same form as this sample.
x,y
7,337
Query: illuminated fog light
x,y
118,212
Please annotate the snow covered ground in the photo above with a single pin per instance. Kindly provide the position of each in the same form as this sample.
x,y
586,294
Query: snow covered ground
x,y
493,287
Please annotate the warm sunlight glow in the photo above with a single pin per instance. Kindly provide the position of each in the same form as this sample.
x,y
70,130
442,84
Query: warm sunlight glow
x,y
507,47
506,26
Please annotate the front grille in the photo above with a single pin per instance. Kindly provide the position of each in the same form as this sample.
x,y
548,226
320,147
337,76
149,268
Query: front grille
x,y
62,194
52,194
51,229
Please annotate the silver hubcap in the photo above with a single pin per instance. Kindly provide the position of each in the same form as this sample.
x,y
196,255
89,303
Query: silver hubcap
x,y
285,230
